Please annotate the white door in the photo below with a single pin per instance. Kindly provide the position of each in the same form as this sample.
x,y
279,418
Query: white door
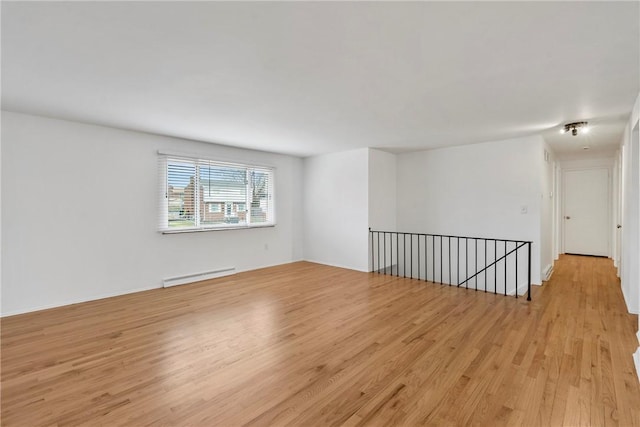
x,y
586,212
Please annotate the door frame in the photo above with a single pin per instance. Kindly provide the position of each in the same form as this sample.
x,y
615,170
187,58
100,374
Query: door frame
x,y
561,220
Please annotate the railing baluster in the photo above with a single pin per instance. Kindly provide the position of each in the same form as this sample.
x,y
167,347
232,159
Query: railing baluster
x,y
397,254
378,252
495,267
391,254
466,261
375,269
404,254
505,269
371,235
516,271
426,267
433,259
529,271
426,257
407,255
419,257
441,260
384,245
475,267
449,247
458,261
387,268
411,253
485,265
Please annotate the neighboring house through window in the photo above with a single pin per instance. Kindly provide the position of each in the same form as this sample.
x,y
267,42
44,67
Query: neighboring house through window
x,y
204,194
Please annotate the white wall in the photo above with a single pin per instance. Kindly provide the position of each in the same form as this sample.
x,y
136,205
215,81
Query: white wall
x,y
547,205
587,163
617,211
630,208
1,252
80,208
336,209
382,190
630,251
557,210
382,203
475,190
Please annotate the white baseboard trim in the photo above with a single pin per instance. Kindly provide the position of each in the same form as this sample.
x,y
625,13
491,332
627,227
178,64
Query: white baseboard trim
x,y
100,296
337,265
75,301
522,290
214,274
636,357
631,308
392,267
197,277
547,272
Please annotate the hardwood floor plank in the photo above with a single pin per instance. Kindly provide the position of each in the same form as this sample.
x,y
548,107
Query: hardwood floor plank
x,y
308,344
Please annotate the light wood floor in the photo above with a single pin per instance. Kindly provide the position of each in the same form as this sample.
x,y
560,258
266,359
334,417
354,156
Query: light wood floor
x,y
305,344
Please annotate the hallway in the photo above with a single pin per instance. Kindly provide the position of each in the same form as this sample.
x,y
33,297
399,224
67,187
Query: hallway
x,y
584,340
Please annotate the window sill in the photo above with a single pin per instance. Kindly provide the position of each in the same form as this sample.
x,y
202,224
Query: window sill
x,y
204,229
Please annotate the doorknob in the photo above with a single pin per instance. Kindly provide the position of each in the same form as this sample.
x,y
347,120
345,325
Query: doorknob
x,y
618,226
567,217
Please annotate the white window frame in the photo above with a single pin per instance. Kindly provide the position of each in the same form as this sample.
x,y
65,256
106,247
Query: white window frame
x,y
166,158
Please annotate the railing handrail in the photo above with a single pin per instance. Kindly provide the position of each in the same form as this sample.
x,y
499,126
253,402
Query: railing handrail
x,y
457,237
518,244
494,262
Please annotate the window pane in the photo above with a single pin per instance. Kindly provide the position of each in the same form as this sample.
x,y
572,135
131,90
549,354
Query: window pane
x,y
260,196
207,194
181,184
222,187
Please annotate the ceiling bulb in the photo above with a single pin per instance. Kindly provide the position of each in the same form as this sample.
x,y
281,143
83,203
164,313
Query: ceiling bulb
x,y
575,128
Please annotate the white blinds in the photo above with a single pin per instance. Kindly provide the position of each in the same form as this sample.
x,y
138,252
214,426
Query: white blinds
x,y
206,194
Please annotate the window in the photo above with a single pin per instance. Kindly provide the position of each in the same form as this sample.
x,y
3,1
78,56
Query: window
x,y
204,194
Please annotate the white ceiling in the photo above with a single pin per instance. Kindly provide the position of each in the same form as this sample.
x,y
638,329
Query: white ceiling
x,y
306,78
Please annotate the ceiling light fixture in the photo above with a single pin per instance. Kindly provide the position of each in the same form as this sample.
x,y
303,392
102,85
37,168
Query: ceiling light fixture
x,y
575,128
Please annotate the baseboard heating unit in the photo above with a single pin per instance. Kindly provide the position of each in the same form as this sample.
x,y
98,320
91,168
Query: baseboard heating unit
x,y
196,277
